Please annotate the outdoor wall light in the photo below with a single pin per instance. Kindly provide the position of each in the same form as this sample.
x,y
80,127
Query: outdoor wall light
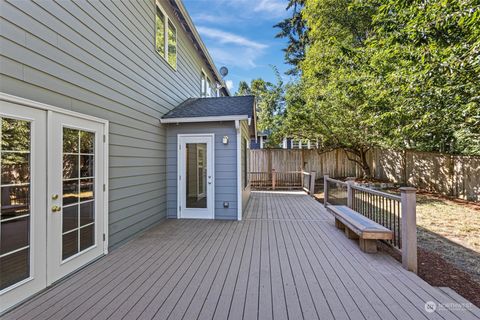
x,y
225,140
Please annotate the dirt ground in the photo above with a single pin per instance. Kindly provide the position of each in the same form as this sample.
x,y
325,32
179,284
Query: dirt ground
x,y
448,244
452,230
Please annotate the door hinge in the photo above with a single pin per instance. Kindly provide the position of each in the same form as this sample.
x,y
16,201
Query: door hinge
x,y
180,208
104,138
104,187
104,237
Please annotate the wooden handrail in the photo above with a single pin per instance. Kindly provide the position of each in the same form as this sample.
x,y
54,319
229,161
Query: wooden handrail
x,y
398,213
378,193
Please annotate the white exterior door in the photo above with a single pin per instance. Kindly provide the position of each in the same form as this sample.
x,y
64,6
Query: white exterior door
x,y
76,195
52,201
196,188
23,203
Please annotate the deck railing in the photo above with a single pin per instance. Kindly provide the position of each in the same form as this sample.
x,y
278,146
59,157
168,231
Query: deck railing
x,y
274,180
334,191
308,182
381,207
395,212
290,180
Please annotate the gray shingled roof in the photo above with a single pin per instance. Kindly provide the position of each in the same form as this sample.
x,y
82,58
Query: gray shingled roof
x,y
213,107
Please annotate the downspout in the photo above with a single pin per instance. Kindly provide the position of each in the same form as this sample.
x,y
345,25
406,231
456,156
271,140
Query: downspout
x,y
238,128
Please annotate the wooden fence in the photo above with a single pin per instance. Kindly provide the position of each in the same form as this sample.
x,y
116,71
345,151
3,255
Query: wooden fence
x,y
456,176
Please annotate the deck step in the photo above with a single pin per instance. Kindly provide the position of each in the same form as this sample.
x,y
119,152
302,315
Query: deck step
x,y
457,298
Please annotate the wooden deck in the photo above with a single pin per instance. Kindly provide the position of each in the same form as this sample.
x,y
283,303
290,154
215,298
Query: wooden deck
x,y
286,260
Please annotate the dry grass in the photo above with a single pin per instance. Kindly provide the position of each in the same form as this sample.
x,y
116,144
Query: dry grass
x,y
452,230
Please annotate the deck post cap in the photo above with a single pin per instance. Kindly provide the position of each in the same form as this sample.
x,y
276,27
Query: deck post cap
x,y
408,189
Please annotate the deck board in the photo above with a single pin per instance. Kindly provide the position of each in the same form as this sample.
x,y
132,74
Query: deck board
x,y
285,260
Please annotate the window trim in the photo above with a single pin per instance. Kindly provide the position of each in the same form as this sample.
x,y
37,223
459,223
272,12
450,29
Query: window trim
x,y
166,24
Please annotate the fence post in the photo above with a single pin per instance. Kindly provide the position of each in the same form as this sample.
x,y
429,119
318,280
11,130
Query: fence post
x,y
349,193
409,228
312,183
325,189
274,179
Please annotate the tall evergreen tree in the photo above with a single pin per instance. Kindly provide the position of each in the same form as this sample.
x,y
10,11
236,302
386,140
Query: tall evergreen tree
x,y
295,30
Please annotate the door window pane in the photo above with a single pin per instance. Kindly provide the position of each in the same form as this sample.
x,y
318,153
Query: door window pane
x,y
14,201
87,142
14,267
78,191
196,179
15,168
86,213
86,166
86,189
87,237
69,244
70,140
70,166
14,234
70,218
70,192
15,135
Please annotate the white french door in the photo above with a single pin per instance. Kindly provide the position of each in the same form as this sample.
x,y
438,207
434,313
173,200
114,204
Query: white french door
x,y
76,197
23,217
196,182
53,204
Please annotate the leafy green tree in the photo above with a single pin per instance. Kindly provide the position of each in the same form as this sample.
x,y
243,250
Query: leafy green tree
x,y
243,89
270,101
335,80
402,74
427,56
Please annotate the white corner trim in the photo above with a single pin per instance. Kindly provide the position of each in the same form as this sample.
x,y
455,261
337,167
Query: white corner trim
x,y
106,166
239,169
204,119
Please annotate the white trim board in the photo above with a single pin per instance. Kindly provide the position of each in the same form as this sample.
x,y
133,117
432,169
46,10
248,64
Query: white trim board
x,y
238,128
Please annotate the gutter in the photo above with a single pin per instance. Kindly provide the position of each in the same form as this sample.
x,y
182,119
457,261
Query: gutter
x,y
204,119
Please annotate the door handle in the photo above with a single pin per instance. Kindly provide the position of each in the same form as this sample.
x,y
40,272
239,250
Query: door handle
x,y
56,208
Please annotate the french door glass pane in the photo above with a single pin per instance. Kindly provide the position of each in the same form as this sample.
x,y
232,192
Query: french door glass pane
x,y
78,219
15,200
196,178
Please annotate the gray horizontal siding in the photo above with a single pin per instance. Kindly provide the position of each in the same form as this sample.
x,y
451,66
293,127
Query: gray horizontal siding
x,y
225,166
98,58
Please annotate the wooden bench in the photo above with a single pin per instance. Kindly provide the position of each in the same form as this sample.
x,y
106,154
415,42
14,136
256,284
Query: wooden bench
x,y
357,226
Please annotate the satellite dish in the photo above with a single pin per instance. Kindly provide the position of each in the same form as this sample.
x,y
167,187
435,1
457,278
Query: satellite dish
x,y
223,71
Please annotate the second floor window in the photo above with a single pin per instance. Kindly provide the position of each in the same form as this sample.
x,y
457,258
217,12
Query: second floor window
x,y
166,38
208,88
203,88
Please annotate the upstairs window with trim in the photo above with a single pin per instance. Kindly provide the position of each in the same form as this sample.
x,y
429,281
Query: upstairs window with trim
x,y
203,85
207,87
166,38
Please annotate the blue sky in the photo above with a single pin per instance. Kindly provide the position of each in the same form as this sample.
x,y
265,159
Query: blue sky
x,y
239,34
